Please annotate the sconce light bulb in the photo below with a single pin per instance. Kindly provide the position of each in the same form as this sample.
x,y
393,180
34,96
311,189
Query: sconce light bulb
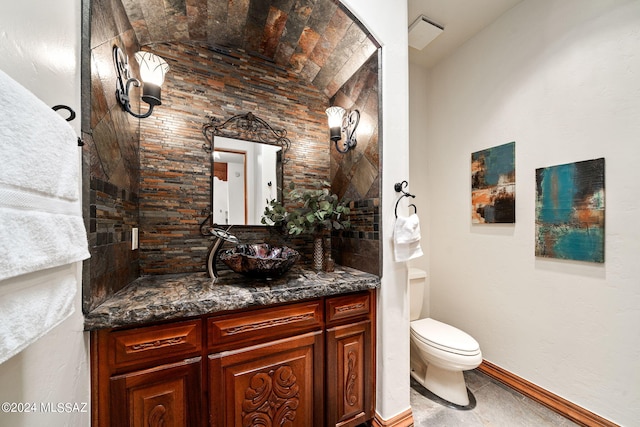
x,y
334,116
152,67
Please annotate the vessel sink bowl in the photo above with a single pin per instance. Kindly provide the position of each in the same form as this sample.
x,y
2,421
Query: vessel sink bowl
x,y
260,260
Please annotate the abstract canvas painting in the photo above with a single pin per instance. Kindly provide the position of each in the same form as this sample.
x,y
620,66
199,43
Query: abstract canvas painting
x,y
570,211
493,185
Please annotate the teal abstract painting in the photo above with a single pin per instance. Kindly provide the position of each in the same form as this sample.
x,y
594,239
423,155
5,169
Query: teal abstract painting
x,y
570,211
493,185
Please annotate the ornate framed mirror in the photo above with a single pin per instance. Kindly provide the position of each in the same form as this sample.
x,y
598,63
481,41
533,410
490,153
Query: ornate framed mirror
x,y
247,167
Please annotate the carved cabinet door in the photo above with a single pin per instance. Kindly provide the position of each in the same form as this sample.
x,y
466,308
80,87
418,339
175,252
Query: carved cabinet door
x,y
279,383
349,394
164,396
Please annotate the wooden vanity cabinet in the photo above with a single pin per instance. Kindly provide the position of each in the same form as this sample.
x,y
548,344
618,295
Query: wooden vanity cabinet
x,y
280,382
167,395
350,360
148,376
301,364
267,364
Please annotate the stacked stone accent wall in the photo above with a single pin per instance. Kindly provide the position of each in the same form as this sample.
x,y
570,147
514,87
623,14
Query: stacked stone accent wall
x,y
175,170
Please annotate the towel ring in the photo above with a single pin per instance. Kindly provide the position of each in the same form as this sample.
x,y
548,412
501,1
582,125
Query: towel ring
x,y
415,209
399,189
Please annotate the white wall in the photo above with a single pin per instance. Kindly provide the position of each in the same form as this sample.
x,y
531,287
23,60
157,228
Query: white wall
x,y
418,168
39,47
561,78
387,20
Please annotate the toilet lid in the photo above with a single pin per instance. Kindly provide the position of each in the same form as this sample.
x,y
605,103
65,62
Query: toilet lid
x,y
445,337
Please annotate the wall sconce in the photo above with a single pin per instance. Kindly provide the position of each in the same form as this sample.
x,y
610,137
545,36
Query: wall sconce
x,y
152,71
338,123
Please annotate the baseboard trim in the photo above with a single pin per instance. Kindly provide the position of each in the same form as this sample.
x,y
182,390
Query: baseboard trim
x,y
404,419
567,409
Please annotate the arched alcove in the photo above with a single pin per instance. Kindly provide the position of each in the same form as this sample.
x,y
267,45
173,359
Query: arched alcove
x,y
280,59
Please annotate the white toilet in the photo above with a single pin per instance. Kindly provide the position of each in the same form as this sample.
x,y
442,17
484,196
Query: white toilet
x,y
439,352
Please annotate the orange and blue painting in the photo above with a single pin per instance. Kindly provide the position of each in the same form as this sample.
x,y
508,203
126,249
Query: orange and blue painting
x,y
493,185
570,211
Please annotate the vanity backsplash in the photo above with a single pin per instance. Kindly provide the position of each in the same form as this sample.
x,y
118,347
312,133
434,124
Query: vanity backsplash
x,y
176,171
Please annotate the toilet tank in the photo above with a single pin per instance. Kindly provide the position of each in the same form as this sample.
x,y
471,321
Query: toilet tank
x,y
417,285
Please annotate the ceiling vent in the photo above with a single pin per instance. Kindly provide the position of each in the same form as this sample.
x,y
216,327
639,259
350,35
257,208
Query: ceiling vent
x,y
422,32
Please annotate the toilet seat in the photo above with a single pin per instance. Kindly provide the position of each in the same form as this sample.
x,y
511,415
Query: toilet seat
x,y
444,337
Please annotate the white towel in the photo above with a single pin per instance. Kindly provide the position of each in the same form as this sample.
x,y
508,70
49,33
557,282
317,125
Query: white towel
x,y
406,238
41,224
32,306
39,148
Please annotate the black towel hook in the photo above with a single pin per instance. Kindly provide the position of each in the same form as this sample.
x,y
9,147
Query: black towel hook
x,y
72,116
399,189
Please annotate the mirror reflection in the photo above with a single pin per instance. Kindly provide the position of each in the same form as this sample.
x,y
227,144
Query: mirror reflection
x,y
247,158
246,175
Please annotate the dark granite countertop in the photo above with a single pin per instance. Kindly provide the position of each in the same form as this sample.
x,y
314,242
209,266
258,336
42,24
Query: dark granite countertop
x,y
173,296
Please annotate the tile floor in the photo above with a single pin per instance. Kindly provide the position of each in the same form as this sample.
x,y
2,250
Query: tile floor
x,y
496,406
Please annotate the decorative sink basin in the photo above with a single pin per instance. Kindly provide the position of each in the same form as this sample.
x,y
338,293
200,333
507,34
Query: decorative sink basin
x,y
260,260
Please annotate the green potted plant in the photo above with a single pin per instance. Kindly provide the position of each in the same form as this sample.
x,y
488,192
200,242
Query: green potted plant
x,y
316,212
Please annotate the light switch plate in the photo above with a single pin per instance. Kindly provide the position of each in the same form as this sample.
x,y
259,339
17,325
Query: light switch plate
x,y
134,238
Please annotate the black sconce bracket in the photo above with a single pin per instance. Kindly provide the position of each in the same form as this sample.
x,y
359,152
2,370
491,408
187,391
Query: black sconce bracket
x,y
349,125
151,93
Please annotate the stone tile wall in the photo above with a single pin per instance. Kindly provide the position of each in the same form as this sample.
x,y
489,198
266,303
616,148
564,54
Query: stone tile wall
x,y
320,40
110,161
356,174
175,170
